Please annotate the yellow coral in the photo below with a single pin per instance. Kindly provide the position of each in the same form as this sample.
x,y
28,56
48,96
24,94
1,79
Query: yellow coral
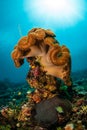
x,y
83,109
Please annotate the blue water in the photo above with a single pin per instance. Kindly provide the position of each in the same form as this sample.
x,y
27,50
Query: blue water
x,y
13,18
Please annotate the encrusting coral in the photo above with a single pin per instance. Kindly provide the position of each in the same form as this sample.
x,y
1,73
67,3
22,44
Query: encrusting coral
x,y
49,62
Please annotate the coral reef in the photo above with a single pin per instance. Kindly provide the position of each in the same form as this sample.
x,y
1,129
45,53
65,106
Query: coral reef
x,y
50,65
11,118
43,103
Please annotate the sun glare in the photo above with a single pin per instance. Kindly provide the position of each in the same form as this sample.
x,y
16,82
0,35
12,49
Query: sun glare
x,y
58,12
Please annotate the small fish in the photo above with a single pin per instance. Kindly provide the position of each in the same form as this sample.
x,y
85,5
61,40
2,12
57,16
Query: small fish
x,y
59,109
19,93
29,91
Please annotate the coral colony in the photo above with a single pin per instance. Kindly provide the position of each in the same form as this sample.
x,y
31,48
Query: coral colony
x,y
48,62
49,77
44,53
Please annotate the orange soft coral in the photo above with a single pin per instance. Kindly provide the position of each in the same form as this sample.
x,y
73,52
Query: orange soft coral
x,y
16,56
42,45
49,41
23,44
59,55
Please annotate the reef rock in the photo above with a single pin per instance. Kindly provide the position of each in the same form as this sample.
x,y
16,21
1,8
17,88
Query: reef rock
x,y
52,111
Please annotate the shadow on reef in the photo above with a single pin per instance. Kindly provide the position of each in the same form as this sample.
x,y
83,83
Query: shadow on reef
x,y
48,103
